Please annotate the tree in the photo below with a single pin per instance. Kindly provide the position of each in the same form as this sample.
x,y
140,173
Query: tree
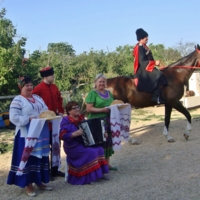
x,y
34,63
61,48
185,49
121,61
59,56
166,56
11,55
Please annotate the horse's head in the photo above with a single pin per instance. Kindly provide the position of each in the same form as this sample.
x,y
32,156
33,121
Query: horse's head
x,y
184,67
197,47
197,54
190,62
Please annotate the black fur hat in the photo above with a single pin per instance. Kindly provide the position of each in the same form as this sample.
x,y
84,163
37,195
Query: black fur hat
x,y
47,71
141,34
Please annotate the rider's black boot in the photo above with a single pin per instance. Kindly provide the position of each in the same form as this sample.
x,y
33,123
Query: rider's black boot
x,y
156,97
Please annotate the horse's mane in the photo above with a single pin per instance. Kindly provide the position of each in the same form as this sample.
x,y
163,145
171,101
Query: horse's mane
x,y
123,76
180,62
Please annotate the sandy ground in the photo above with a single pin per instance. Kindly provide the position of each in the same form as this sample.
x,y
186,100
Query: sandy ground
x,y
153,170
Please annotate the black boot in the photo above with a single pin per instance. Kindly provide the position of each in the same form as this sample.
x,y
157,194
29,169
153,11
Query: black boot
x,y
155,96
161,100
156,99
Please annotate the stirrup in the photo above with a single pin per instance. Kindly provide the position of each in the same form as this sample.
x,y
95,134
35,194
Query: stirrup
x,y
158,100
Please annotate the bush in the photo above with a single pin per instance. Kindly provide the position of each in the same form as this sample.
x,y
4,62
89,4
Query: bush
x,y
5,104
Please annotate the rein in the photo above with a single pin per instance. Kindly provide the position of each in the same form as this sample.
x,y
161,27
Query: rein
x,y
187,67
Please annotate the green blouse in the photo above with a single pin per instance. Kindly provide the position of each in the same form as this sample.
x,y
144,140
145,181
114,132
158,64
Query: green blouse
x,y
98,101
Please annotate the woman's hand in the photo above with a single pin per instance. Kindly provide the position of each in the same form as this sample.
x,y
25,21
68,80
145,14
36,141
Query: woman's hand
x,y
105,110
32,117
157,62
77,133
91,109
60,114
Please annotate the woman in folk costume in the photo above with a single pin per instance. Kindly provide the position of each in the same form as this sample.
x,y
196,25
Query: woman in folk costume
x,y
86,164
24,108
97,101
148,78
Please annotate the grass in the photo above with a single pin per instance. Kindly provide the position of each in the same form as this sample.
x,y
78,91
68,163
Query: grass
x,y
139,115
145,115
6,140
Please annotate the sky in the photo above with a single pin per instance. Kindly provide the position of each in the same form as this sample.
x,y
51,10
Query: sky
x,y
103,24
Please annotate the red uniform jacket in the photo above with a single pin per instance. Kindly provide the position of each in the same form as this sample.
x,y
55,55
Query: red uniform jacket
x,y
51,96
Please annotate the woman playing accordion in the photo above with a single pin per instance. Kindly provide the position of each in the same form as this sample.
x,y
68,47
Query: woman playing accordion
x,y
85,164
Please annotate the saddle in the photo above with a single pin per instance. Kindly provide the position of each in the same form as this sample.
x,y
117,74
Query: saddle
x,y
156,94
133,76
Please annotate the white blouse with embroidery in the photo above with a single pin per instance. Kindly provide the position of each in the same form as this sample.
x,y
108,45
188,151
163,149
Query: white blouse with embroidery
x,y
21,109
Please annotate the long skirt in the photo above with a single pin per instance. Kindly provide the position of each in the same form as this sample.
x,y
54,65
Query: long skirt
x,y
86,164
35,171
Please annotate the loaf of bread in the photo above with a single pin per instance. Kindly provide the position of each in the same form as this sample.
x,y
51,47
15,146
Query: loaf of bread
x,y
117,102
47,114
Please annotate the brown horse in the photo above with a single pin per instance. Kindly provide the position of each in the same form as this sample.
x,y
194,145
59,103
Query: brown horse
x,y
178,74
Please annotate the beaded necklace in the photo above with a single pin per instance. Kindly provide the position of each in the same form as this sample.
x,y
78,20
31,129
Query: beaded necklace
x,y
31,99
105,95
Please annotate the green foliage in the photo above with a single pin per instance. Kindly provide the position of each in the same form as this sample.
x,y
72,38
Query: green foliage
x,y
74,73
84,67
11,56
4,105
6,140
167,56
59,56
121,61
61,48
7,32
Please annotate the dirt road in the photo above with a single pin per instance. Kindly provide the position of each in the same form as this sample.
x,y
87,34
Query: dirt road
x,y
153,170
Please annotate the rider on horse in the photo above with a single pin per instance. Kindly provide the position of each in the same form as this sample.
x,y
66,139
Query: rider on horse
x,y
148,78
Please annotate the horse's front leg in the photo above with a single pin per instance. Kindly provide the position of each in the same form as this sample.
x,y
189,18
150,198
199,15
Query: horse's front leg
x,y
179,107
168,111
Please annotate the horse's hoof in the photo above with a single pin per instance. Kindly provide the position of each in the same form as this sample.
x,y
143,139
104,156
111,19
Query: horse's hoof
x,y
134,141
186,136
171,140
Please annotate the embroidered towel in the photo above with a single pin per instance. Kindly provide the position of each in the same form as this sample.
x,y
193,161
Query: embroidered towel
x,y
56,161
37,142
31,140
120,119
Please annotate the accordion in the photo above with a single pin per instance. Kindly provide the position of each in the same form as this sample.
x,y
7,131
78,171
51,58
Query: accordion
x,y
93,131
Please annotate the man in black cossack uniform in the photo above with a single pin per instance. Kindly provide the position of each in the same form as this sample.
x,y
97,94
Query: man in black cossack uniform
x,y
148,78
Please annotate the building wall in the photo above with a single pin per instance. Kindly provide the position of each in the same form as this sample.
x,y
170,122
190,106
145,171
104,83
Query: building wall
x,y
194,83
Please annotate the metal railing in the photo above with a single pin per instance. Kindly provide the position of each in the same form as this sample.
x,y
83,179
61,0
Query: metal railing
x,y
13,96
